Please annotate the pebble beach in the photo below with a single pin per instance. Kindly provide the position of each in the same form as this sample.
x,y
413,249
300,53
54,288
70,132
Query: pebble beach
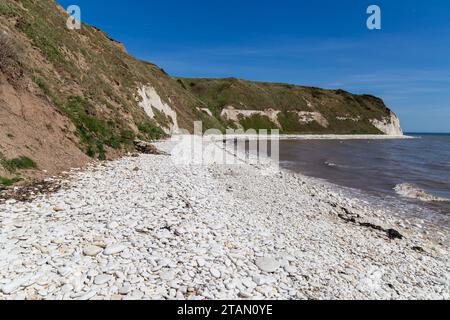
x,y
142,227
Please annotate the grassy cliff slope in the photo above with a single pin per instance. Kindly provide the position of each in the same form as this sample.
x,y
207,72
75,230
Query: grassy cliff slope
x,y
293,109
70,96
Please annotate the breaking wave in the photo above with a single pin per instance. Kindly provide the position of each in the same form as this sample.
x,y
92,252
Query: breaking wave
x,y
411,191
334,165
330,164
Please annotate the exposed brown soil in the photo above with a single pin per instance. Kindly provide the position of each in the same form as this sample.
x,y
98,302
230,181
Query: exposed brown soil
x,y
30,126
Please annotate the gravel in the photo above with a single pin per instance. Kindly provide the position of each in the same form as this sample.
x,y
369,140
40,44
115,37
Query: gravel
x,y
170,231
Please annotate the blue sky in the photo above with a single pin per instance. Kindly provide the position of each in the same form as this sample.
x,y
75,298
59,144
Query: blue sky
x,y
322,43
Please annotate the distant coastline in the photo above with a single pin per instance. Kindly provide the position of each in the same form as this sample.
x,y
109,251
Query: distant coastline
x,y
318,136
427,133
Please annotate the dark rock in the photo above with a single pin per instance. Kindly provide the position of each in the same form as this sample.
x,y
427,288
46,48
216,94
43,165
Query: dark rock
x,y
418,249
394,234
31,191
147,148
372,226
391,233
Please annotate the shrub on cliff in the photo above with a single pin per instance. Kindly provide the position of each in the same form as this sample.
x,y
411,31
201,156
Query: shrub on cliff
x,y
8,55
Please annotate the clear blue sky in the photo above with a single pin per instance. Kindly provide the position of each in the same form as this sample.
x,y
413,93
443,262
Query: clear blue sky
x,y
322,43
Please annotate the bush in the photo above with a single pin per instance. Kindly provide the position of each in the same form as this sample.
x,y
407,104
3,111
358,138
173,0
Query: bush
x,y
8,182
96,133
8,52
43,86
7,48
150,131
21,163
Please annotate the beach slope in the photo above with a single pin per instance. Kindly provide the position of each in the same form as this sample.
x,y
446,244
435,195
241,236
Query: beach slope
x,y
144,228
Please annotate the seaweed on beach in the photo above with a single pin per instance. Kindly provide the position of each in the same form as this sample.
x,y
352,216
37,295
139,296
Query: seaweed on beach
x,y
349,217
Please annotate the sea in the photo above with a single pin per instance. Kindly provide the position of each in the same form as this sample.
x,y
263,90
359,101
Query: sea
x,y
407,175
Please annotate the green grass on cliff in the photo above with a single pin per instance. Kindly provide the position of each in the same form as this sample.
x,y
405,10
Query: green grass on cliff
x,y
89,78
257,122
8,182
21,163
13,166
94,83
241,94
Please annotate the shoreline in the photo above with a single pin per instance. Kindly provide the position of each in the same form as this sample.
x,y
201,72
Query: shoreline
x,y
145,228
267,166
314,136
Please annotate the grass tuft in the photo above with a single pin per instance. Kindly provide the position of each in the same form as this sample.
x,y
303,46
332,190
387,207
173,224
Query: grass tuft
x,y
8,182
150,131
21,163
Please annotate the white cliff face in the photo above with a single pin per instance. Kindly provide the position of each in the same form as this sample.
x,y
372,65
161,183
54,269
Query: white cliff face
x,y
389,126
308,117
150,99
207,111
230,113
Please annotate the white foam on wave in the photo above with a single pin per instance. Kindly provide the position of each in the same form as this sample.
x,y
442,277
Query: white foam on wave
x,y
411,191
331,164
334,165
